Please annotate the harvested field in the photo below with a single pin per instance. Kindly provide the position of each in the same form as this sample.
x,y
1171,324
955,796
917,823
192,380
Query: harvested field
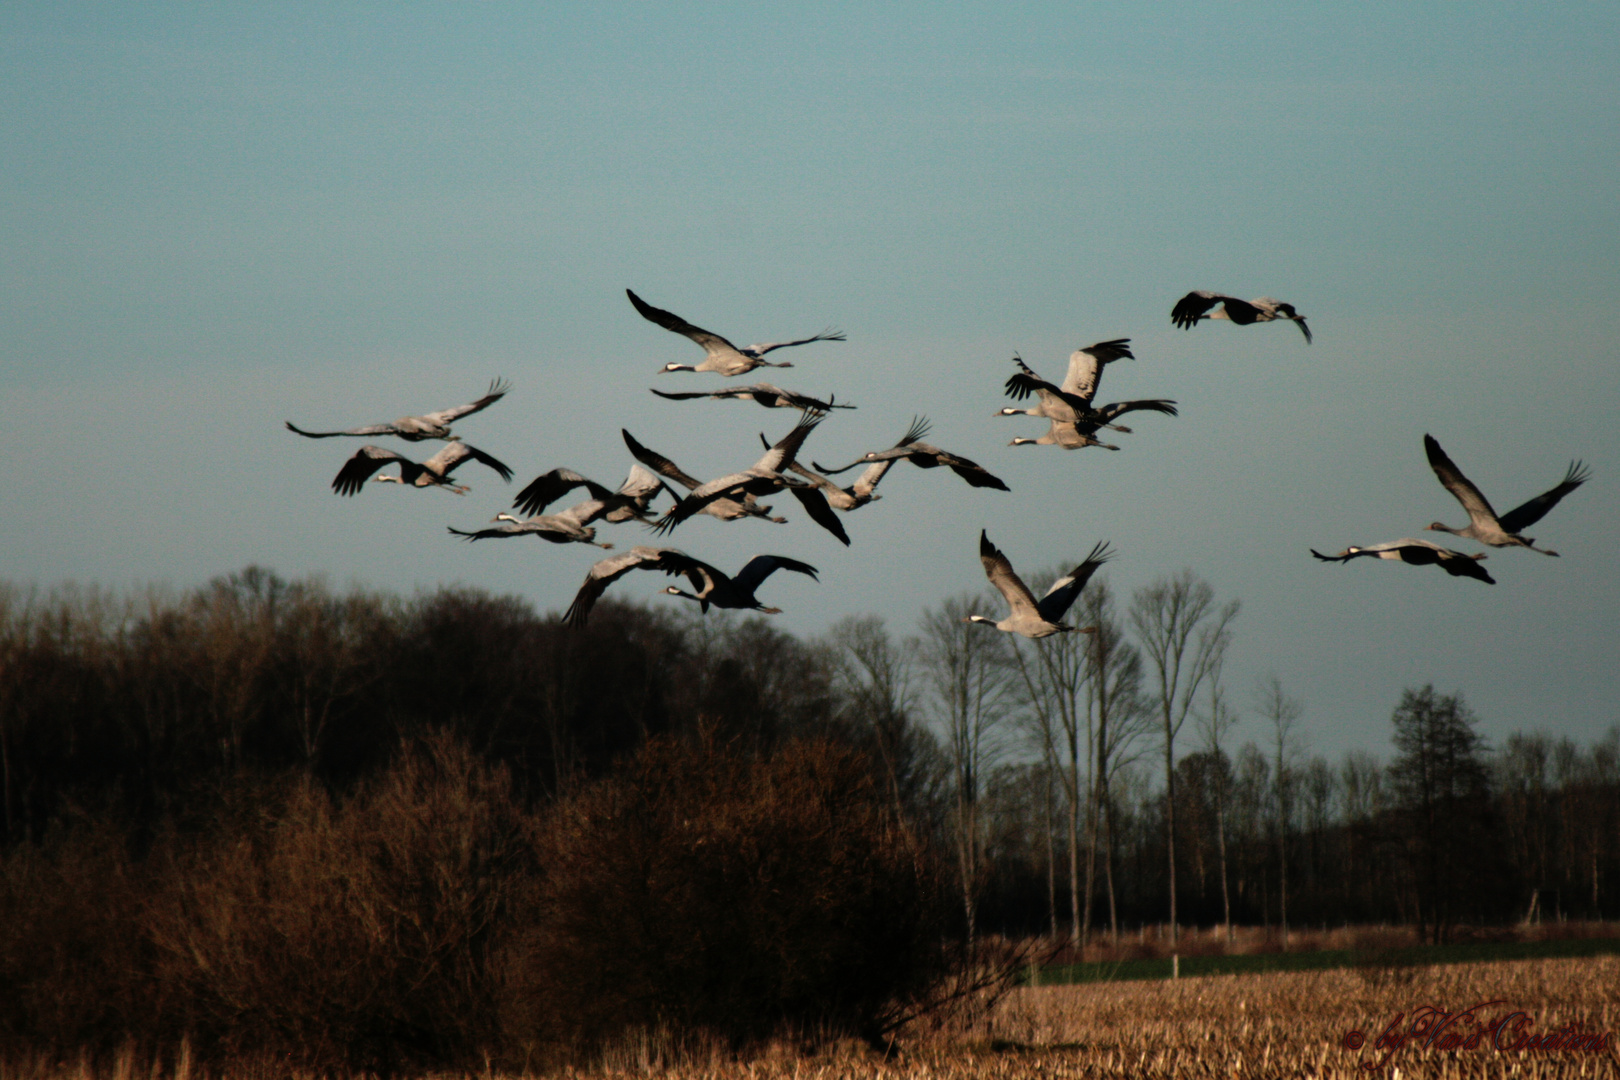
x,y
1277,1025
1294,1024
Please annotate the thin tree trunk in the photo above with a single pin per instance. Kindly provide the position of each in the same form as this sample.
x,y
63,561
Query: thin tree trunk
x,y
5,794
1220,842
1170,822
1051,861
1091,855
1073,816
1282,862
1108,867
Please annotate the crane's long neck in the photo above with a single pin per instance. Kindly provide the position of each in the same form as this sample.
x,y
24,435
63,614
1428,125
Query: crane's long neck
x,y
702,601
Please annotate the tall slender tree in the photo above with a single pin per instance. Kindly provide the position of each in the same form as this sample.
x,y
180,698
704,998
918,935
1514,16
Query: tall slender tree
x,y
1116,701
875,676
1052,686
1182,633
966,669
1212,727
1282,713
1441,787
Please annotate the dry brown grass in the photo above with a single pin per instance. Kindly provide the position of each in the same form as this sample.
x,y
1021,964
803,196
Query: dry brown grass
x,y
1294,1024
1281,1025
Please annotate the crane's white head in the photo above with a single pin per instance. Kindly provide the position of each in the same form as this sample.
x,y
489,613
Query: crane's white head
x,y
980,619
1010,411
676,367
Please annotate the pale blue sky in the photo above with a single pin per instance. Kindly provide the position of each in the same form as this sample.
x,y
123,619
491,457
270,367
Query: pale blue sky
x,y
215,218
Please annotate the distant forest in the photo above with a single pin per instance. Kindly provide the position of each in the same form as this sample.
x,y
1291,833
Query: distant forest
x,y
188,778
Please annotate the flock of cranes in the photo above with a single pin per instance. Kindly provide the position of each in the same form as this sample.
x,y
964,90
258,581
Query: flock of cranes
x,y
1073,422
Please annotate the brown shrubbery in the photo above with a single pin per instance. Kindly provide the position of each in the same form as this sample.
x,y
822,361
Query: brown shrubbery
x,y
429,919
360,933
705,891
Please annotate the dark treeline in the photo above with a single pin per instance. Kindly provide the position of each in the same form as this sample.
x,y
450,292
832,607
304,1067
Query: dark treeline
x,y
263,817
132,706
262,821
1462,835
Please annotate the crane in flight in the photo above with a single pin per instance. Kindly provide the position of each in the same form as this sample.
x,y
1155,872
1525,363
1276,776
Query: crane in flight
x,y
433,425
723,356
713,586
1195,306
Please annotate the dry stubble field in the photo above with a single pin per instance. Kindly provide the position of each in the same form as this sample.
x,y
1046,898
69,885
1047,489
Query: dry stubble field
x,y
1282,1025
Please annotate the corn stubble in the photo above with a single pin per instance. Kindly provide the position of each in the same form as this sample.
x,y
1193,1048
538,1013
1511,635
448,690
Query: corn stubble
x,y
1280,1025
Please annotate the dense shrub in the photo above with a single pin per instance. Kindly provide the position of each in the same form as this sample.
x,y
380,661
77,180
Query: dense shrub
x,y
429,919
705,890
73,962
357,934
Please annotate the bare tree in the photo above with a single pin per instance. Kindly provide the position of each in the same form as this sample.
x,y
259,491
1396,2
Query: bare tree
x,y
1441,787
239,613
1317,786
875,675
13,623
1282,713
1122,717
966,670
1183,634
1213,726
1053,680
1361,803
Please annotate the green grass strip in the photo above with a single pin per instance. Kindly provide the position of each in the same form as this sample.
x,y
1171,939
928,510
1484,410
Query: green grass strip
x,y
1257,963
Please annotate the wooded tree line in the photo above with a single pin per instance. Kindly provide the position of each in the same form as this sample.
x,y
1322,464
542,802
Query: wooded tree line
x,y
263,821
1041,764
1079,785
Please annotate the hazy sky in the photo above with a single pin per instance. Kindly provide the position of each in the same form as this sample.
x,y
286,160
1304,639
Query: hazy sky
x,y
214,218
